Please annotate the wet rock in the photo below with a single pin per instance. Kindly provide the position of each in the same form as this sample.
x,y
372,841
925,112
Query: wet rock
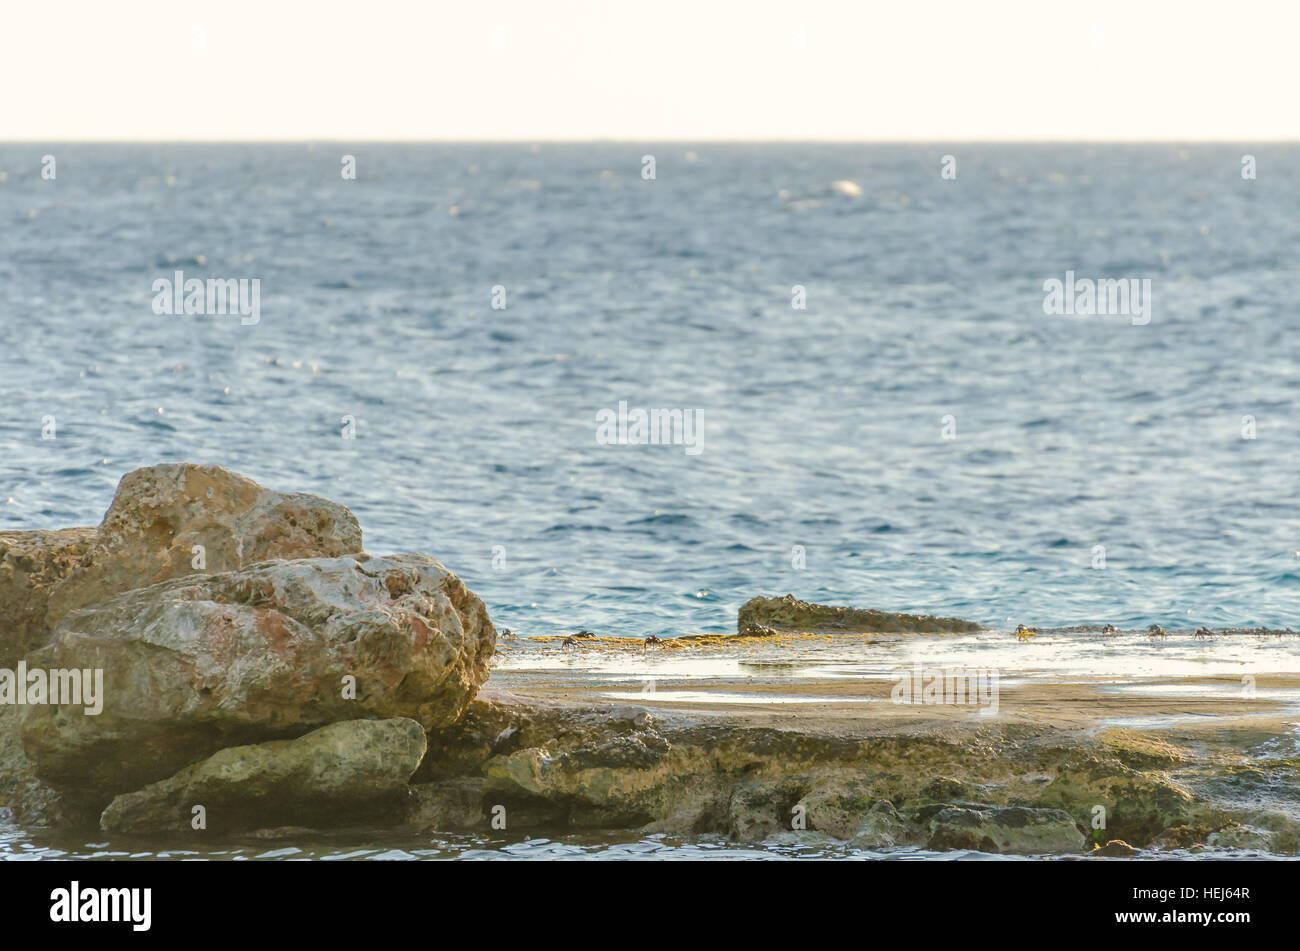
x,y
1005,829
161,513
883,828
1116,848
339,774
31,564
836,805
789,614
32,802
1252,838
451,805
759,810
278,833
807,839
196,664
1182,837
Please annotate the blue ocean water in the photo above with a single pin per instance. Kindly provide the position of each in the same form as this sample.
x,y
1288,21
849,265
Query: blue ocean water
x,y
822,427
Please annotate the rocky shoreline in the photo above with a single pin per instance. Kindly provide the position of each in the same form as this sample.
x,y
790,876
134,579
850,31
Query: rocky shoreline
x,y
261,671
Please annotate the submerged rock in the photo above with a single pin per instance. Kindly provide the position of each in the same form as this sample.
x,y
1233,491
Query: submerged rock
x,y
267,652
31,564
180,519
789,614
349,772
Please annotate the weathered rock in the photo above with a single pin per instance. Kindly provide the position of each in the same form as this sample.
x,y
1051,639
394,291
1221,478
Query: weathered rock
x,y
555,764
161,513
31,564
836,806
452,805
1012,829
789,614
760,810
805,839
1116,848
200,663
882,828
32,802
340,774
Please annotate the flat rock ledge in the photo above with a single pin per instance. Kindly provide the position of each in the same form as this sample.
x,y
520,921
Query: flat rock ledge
x,y
789,615
539,766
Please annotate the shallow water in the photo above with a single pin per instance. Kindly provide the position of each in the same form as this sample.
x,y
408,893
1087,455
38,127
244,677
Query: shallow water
x,y
1054,654
17,846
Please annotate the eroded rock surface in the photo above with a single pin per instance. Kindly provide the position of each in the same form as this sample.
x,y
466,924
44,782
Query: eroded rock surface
x,y
31,802
31,564
199,663
349,772
1004,829
162,517
789,614
999,787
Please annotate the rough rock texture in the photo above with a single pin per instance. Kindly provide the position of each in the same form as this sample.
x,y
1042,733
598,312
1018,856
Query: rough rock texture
x,y
451,805
199,663
31,564
32,802
1014,829
342,773
998,787
789,614
160,513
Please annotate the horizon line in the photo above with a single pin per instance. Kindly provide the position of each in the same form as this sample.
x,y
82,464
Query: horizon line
x,y
645,141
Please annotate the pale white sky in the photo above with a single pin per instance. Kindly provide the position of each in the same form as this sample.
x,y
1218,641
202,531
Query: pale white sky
x,y
649,69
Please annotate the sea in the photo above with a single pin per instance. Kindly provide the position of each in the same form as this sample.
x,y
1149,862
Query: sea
x,y
863,392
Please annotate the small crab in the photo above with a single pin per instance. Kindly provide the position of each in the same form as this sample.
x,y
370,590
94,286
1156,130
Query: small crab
x,y
652,640
508,634
1155,630
1025,633
1203,632
1110,630
568,642
583,634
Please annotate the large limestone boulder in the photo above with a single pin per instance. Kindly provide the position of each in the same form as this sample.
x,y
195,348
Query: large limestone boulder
x,y
195,664
180,519
31,564
343,773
